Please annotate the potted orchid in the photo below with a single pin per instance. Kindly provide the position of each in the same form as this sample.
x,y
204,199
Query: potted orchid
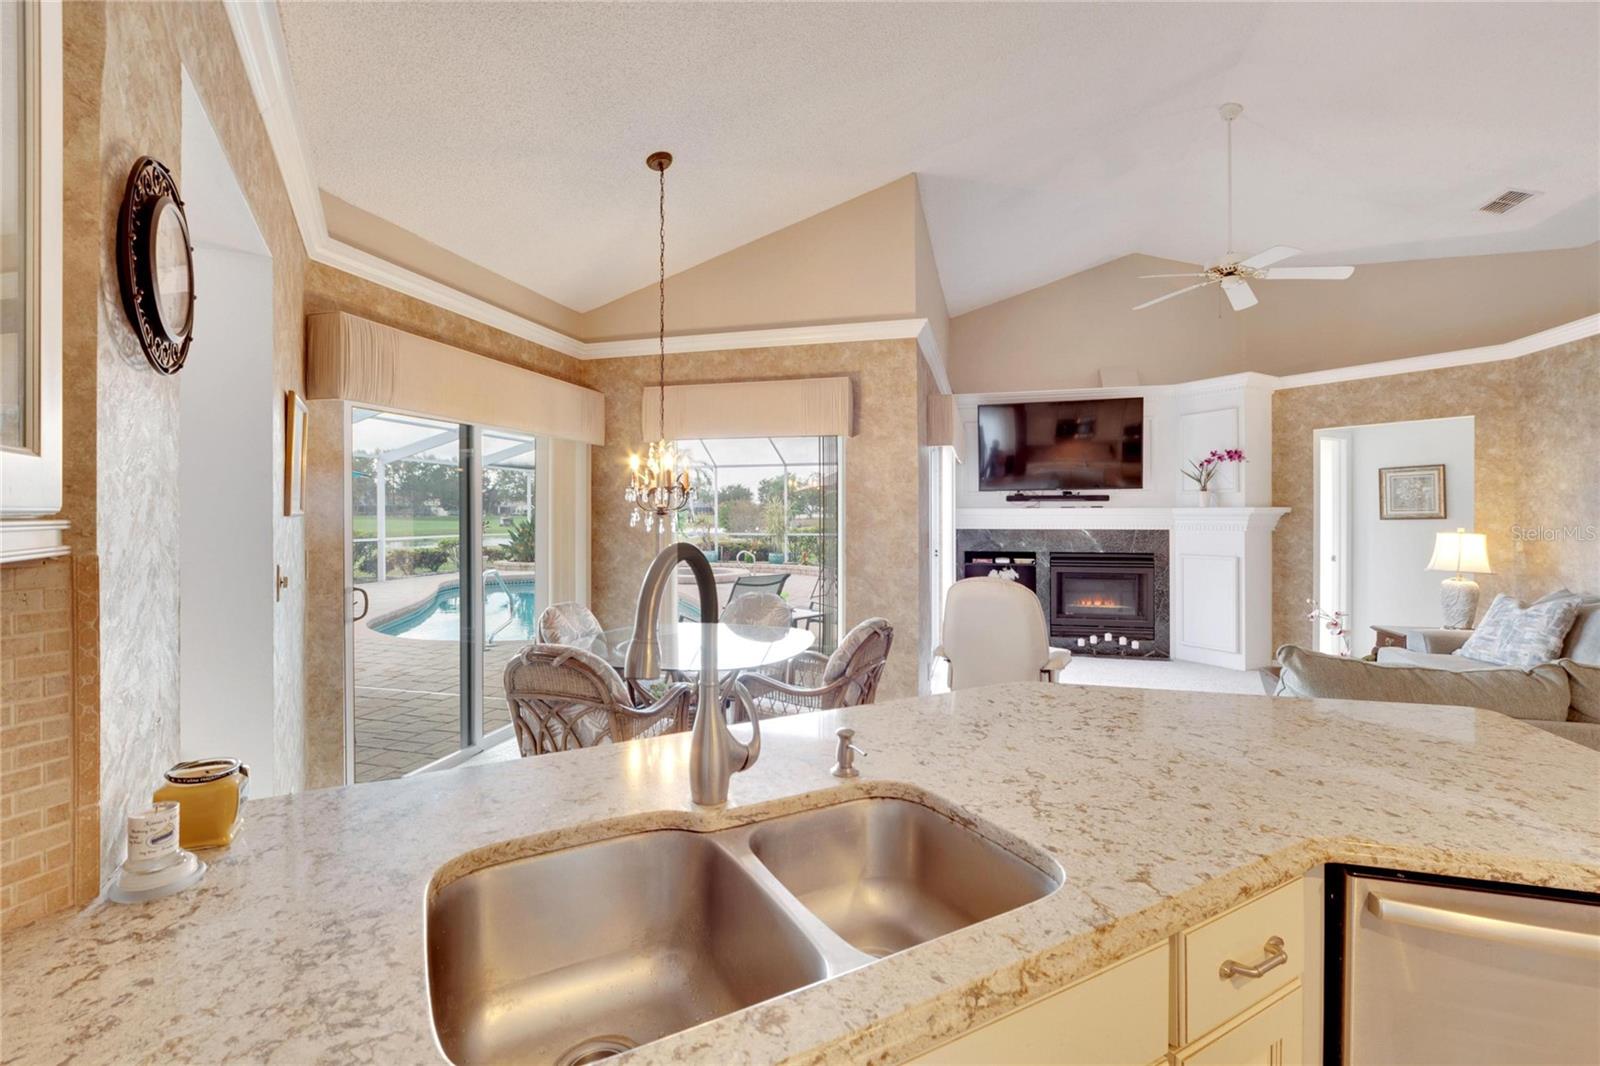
x,y
1203,470
1334,622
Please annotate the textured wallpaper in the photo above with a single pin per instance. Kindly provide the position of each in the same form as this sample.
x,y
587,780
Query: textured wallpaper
x,y
882,490
1536,454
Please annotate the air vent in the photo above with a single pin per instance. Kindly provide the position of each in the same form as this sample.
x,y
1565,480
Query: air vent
x,y
1506,201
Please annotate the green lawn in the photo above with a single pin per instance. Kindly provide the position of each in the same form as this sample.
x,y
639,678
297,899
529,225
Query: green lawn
x,y
427,526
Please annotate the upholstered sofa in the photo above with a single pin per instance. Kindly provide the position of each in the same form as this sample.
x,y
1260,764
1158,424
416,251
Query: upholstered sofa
x,y
1561,696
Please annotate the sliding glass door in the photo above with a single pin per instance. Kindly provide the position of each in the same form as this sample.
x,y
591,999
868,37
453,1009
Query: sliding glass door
x,y
507,559
442,556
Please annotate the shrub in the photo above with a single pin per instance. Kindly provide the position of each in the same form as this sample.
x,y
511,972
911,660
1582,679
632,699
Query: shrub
x,y
430,559
364,560
496,553
402,560
521,548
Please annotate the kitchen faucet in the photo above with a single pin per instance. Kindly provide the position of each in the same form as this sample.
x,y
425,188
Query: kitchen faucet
x,y
715,754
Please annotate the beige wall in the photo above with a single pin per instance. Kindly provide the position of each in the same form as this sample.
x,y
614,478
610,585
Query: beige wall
x,y
881,493
366,231
1061,334
1536,466
853,262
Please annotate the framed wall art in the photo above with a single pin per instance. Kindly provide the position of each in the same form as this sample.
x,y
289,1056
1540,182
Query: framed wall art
x,y
1411,492
296,425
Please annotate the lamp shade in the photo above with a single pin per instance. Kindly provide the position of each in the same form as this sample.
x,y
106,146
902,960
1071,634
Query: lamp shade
x,y
1460,553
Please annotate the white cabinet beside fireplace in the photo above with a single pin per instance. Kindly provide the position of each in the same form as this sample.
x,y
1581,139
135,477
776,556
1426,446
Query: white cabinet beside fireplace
x,y
1221,610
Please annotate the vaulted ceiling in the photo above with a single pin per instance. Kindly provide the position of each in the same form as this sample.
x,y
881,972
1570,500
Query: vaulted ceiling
x,y
1047,138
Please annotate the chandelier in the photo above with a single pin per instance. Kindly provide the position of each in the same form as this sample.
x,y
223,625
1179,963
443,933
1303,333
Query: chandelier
x,y
658,483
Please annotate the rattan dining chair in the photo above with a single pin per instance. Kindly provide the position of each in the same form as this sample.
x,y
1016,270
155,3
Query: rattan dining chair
x,y
816,682
563,698
568,623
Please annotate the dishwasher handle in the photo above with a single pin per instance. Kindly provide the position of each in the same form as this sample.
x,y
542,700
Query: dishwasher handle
x,y
1500,930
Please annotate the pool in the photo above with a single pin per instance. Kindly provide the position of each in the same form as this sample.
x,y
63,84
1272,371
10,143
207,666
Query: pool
x,y
507,620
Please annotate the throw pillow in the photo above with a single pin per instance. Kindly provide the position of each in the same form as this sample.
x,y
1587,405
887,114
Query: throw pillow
x,y
1513,635
1583,639
1540,694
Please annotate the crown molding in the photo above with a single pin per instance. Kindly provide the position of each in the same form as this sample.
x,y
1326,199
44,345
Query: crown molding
x,y
259,35
1578,330
933,352
829,333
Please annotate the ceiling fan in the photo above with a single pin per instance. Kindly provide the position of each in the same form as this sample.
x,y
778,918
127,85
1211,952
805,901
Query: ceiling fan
x,y
1234,273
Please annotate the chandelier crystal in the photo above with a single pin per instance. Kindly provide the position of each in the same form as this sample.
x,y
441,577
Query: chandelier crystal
x,y
658,483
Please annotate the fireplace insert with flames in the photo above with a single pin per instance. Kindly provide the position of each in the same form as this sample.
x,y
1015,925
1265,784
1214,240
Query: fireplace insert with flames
x,y
1102,592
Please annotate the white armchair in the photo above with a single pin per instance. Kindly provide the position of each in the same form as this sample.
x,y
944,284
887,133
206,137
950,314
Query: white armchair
x,y
994,632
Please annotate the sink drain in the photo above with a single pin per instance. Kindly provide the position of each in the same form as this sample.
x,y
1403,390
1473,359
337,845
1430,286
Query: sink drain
x,y
595,1049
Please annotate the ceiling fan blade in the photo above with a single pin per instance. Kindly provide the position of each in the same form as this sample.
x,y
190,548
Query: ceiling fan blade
x,y
1276,254
1170,295
1308,273
1196,274
1239,294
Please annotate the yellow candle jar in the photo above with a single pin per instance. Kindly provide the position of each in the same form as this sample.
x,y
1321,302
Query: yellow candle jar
x,y
210,795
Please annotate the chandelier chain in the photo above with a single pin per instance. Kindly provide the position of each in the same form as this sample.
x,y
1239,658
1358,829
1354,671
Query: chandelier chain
x,y
661,307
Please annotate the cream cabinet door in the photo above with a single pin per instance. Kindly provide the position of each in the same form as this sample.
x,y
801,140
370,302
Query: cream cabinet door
x,y
1252,935
1270,1036
1117,1017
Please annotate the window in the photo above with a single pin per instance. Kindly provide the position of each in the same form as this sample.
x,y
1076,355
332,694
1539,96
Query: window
x,y
770,504
17,239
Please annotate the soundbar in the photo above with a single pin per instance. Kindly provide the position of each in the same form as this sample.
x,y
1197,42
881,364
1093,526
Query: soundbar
x,y
1081,497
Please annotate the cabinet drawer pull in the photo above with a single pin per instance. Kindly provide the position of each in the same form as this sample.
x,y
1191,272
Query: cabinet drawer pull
x,y
1276,957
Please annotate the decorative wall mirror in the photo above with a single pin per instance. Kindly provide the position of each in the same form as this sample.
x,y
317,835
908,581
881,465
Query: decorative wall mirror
x,y
155,263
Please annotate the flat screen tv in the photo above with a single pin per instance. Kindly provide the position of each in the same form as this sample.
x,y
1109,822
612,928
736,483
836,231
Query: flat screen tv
x,y
1062,445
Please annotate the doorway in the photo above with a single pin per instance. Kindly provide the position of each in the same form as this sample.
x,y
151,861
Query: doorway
x,y
226,408
1372,567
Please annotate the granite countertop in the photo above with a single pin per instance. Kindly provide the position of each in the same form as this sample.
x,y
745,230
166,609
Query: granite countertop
x,y
305,941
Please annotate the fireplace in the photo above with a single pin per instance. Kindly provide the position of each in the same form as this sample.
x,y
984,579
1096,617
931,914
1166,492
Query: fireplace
x,y
1103,592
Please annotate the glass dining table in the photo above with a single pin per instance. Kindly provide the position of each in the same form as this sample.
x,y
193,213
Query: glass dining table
x,y
739,647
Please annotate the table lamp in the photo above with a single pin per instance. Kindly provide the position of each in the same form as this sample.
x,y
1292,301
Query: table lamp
x,y
1460,553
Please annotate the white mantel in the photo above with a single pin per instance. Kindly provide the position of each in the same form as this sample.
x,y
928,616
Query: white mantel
x,y
1078,516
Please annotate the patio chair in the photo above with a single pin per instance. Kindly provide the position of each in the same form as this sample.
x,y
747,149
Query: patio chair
x,y
824,598
747,584
568,623
742,586
817,682
757,609
994,632
563,698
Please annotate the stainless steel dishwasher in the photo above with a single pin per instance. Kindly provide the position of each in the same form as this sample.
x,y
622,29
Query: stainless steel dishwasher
x,y
1424,969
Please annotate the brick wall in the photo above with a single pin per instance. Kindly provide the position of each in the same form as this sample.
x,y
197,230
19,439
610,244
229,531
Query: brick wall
x,y
49,783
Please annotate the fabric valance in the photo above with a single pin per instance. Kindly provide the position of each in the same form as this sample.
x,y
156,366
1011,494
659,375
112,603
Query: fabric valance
x,y
944,423
805,407
350,358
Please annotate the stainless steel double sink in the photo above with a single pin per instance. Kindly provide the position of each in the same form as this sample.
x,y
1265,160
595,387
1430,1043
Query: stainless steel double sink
x,y
573,956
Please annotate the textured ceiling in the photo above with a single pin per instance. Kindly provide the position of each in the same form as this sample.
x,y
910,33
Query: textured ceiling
x,y
1048,138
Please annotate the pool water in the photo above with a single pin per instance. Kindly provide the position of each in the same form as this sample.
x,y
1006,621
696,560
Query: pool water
x,y
507,620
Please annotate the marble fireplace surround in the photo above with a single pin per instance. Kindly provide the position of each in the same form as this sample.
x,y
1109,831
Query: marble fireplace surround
x,y
1041,542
